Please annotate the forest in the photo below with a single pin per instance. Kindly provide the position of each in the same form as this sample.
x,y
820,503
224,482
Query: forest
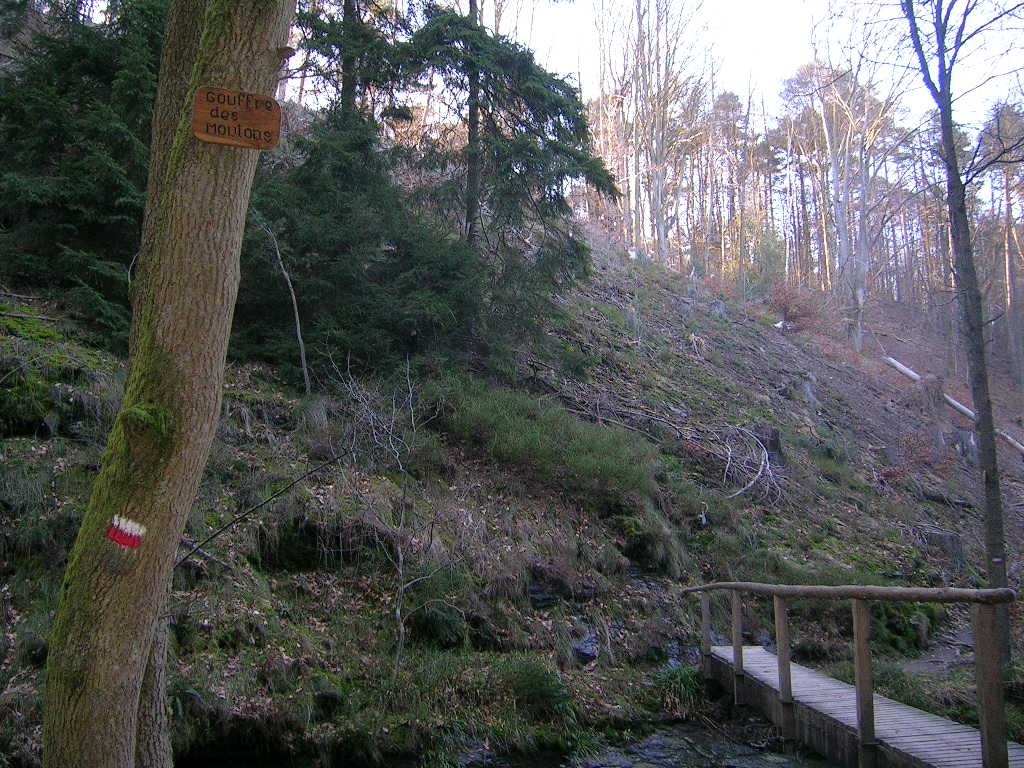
x,y
400,442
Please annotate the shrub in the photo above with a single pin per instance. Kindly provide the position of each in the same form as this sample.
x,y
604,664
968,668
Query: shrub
x,y
538,690
604,466
680,691
800,308
434,616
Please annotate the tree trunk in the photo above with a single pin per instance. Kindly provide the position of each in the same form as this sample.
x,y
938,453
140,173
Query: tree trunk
x,y
153,742
858,272
972,309
966,279
1013,310
349,25
116,583
473,143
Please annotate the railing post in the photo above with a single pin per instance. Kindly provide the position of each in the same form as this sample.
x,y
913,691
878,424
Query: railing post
x,y
864,684
737,643
705,623
705,633
988,672
788,724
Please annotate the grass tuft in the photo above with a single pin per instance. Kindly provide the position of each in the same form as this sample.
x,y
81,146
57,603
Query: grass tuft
x,y
606,467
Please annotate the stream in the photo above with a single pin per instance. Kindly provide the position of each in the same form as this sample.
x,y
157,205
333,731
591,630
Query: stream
x,y
679,746
676,746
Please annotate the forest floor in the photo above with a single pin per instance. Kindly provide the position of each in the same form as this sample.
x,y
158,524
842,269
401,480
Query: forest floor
x,y
495,561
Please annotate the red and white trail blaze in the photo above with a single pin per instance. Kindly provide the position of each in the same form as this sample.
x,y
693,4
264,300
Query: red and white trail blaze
x,y
125,532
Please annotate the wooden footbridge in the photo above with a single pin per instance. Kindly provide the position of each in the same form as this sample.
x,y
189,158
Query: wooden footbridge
x,y
851,724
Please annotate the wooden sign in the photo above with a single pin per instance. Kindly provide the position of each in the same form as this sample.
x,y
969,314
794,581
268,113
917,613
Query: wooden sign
x,y
236,118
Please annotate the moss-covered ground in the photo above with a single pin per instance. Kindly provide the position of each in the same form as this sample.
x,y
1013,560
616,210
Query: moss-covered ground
x,y
492,559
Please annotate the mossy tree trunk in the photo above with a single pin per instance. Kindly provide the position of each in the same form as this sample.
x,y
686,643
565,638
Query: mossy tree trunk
x,y
116,584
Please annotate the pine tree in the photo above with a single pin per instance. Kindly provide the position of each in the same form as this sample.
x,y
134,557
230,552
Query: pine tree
x,y
75,123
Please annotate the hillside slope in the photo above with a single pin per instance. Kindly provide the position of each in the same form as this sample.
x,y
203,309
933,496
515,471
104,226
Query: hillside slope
x,y
496,559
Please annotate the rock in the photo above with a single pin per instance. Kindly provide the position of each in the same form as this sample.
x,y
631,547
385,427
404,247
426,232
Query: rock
x,y
948,541
718,308
540,597
588,648
584,591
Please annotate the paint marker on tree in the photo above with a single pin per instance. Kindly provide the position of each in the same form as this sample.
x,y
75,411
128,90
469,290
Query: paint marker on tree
x,y
126,532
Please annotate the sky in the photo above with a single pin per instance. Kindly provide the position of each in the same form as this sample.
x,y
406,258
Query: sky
x,y
756,44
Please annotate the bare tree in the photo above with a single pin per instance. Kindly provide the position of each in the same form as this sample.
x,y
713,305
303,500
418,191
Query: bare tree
x,y
941,33
384,430
665,92
295,306
1004,130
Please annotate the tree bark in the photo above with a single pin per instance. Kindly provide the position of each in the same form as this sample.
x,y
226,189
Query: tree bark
x,y
1013,310
966,279
116,584
972,308
153,742
473,141
350,22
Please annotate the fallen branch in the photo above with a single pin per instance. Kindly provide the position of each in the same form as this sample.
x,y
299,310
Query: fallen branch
x,y
953,403
29,317
765,464
891,336
610,420
243,515
196,550
19,367
19,296
765,475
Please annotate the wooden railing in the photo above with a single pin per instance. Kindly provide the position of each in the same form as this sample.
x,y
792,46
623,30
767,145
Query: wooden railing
x,y
987,649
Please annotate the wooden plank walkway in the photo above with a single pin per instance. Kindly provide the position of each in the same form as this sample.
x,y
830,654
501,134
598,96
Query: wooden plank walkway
x,y
910,735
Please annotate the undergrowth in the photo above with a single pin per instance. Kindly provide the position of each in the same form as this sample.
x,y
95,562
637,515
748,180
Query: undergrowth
x,y
604,466
514,526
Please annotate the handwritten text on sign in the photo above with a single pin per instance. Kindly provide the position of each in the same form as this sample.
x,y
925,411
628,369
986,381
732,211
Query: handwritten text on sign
x,y
236,118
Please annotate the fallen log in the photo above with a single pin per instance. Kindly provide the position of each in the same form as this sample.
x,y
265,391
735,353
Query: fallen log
x,y
953,403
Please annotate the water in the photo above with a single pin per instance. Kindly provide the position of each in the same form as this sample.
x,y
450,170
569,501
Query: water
x,y
680,746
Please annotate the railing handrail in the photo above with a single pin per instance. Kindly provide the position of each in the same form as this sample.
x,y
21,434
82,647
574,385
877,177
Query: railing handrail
x,y
987,664
865,592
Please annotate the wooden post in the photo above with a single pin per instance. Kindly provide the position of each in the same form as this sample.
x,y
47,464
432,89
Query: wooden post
x,y
705,623
989,680
864,685
737,643
705,633
788,724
